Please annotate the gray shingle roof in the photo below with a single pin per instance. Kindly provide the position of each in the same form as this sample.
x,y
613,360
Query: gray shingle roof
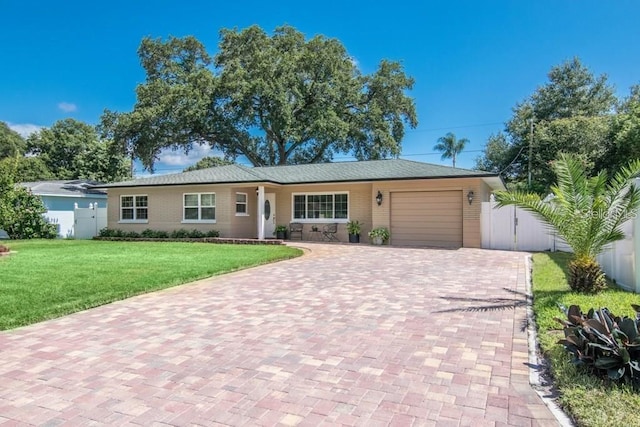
x,y
219,174
373,170
67,188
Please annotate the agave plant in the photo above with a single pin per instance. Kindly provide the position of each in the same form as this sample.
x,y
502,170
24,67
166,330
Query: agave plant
x,y
586,212
607,344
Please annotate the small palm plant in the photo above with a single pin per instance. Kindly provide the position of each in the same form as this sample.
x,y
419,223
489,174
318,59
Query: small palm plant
x,y
586,212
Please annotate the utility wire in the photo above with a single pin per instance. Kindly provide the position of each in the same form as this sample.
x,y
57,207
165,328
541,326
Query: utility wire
x,y
453,127
512,161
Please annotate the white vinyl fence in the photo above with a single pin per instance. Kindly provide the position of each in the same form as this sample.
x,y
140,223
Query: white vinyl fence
x,y
514,229
88,221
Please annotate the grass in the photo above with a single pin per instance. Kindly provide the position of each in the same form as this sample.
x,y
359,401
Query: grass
x,y
588,399
44,279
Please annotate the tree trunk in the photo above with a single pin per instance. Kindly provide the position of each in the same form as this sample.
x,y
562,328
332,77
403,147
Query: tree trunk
x,y
586,275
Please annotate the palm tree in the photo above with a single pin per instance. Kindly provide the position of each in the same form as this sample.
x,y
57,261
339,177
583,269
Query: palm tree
x,y
586,212
450,146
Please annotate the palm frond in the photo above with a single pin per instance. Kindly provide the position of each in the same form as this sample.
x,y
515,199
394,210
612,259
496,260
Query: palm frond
x,y
587,213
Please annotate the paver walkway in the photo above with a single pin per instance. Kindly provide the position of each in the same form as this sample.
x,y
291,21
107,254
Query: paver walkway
x,y
352,335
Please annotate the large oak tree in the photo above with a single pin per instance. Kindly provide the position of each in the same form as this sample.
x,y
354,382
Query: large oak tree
x,y
279,99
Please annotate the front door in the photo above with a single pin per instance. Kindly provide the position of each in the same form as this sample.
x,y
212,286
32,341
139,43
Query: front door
x,y
269,215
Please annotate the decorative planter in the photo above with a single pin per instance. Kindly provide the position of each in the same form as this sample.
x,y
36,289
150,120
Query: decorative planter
x,y
377,240
281,235
354,238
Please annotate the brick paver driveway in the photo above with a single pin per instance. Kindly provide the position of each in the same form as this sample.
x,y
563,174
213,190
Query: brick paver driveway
x,y
352,335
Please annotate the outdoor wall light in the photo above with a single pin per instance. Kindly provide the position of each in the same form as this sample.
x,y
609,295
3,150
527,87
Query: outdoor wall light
x,y
379,198
470,196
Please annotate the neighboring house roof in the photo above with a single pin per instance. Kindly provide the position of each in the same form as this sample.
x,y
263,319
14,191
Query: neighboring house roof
x,y
372,170
66,188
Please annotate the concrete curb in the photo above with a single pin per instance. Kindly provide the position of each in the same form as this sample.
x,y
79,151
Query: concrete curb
x,y
535,364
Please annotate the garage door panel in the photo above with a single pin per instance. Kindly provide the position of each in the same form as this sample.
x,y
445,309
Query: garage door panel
x,y
433,219
427,218
441,210
446,228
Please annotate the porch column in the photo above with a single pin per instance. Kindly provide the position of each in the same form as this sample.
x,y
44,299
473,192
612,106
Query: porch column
x,y
261,212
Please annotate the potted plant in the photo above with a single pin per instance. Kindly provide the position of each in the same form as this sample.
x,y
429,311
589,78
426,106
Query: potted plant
x,y
379,235
353,228
281,232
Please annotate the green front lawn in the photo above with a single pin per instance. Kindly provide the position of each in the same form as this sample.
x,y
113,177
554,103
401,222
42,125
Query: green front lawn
x,y
50,278
588,399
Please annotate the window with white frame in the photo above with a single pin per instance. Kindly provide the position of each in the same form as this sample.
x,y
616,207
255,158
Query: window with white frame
x,y
321,206
241,204
134,208
199,207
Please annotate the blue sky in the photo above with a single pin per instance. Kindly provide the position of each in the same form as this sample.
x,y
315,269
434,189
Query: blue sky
x,y
472,60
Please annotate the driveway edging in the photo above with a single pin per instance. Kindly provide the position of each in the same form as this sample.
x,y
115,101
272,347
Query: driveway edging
x,y
535,364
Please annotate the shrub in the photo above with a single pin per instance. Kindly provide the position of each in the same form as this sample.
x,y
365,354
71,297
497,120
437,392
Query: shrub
x,y
21,212
149,233
161,234
23,216
212,233
382,232
106,232
196,234
179,234
607,345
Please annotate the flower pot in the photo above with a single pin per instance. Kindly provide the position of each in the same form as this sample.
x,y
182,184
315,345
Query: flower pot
x,y
281,235
377,240
354,238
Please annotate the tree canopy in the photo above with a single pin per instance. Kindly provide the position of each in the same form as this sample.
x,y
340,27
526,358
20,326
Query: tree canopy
x,y
570,114
71,149
208,162
11,143
624,134
279,99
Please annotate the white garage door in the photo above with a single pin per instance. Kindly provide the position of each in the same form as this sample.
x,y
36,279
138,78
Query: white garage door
x,y
427,218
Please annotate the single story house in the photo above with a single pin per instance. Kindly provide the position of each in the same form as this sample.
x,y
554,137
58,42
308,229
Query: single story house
x,y
422,204
63,196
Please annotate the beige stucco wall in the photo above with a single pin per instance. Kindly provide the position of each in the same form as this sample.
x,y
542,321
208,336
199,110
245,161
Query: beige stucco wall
x,y
166,209
244,226
470,213
359,207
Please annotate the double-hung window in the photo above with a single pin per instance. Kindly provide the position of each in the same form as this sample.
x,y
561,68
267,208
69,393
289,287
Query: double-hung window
x,y
241,204
134,208
319,206
199,207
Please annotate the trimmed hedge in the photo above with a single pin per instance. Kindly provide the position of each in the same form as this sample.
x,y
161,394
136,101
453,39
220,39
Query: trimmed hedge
x,y
158,234
182,235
